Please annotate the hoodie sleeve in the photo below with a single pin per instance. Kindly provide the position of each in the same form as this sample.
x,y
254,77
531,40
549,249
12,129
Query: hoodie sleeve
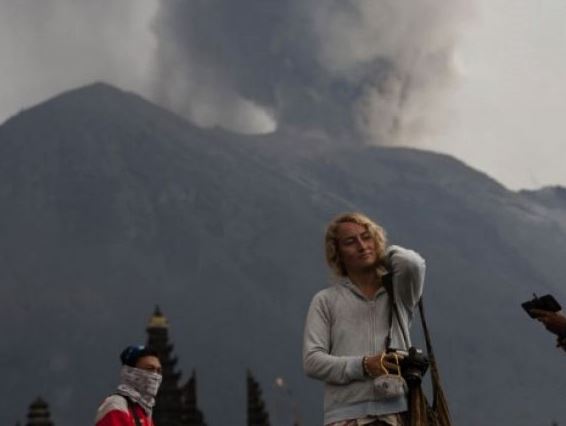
x,y
317,361
408,269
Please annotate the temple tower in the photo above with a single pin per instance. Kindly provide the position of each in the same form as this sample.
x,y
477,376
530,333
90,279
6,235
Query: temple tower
x,y
175,405
38,414
192,416
257,414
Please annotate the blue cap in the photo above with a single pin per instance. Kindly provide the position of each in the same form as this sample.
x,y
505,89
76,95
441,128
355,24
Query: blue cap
x,y
132,354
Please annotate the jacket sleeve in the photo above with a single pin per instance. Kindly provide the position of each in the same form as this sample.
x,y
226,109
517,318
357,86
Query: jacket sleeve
x,y
318,363
408,269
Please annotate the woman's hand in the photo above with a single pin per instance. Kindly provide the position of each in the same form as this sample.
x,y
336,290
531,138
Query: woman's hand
x,y
381,363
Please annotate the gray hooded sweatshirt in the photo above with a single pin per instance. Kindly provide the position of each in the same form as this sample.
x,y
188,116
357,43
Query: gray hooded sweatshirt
x,y
343,326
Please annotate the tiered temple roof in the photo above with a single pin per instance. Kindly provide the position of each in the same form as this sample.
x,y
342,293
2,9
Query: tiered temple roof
x,y
38,414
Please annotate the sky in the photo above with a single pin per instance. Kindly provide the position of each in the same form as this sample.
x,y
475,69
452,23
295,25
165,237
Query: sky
x,y
482,80
506,110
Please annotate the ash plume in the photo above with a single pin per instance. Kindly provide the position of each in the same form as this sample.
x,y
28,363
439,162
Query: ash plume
x,y
366,70
359,70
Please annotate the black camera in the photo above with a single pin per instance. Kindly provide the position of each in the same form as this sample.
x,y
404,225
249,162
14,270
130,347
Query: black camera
x,y
413,364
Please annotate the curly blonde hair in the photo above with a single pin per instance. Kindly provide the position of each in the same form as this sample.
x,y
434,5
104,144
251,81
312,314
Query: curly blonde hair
x,y
331,242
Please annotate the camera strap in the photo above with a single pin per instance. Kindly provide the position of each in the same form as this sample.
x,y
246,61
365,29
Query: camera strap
x,y
387,281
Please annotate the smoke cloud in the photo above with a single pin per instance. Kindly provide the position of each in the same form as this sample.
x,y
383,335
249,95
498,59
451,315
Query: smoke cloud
x,y
369,70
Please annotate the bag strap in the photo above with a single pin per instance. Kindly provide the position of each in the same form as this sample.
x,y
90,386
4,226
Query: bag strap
x,y
131,406
439,403
428,340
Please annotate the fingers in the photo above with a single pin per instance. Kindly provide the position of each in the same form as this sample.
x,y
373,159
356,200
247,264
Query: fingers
x,y
390,363
382,363
561,342
543,316
391,367
540,313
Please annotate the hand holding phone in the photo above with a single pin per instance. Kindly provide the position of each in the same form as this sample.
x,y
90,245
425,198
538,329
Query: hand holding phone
x,y
547,310
545,303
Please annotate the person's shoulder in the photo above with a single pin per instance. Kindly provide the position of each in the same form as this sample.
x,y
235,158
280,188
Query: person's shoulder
x,y
112,403
329,291
327,295
115,401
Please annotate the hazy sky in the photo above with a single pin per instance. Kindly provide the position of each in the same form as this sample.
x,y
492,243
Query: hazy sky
x,y
487,84
506,114
49,46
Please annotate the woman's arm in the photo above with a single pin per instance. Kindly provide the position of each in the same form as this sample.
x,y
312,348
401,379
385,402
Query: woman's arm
x,y
408,269
317,361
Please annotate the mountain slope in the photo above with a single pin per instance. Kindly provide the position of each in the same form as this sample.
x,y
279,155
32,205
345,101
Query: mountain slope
x,y
109,204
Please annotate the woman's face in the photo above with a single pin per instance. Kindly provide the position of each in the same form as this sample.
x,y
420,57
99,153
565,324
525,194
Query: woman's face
x,y
356,247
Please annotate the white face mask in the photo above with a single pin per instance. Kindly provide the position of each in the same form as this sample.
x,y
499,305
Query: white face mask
x,y
140,385
145,382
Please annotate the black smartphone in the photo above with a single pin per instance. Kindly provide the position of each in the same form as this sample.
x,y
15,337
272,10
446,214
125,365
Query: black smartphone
x,y
545,303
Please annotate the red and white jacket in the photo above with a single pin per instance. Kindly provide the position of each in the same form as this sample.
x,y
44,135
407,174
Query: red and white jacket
x,y
114,411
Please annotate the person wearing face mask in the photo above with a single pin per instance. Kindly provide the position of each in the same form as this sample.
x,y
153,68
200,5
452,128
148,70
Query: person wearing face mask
x,y
349,326
132,402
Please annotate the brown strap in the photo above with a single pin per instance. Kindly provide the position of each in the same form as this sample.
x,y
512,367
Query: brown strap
x,y
439,402
428,340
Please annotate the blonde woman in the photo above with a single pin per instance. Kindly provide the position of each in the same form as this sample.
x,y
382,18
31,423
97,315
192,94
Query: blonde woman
x,y
349,325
